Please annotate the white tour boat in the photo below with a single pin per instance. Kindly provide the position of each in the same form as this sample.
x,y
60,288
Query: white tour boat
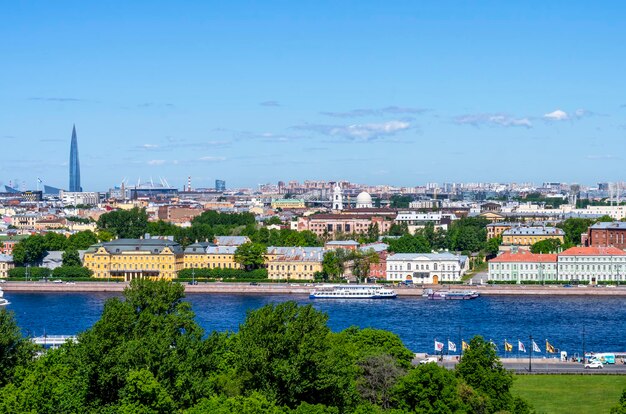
x,y
3,301
352,292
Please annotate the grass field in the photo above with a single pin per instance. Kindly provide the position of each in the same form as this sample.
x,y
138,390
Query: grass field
x,y
570,394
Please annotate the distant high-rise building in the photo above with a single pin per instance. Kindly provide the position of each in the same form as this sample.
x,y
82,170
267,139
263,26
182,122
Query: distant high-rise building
x,y
220,185
74,164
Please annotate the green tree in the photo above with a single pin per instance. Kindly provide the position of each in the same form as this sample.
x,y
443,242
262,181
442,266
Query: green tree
x,y
273,220
379,374
361,262
55,241
334,263
71,257
283,351
482,370
573,228
126,224
492,247
82,240
31,250
546,246
15,350
250,255
428,388
409,244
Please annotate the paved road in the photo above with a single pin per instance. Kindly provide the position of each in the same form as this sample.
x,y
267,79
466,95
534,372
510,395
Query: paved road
x,y
546,366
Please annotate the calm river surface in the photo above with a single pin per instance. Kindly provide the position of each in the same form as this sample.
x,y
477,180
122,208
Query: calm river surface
x,y
416,320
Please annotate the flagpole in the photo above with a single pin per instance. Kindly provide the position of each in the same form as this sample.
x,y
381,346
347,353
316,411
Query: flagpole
x,y
530,355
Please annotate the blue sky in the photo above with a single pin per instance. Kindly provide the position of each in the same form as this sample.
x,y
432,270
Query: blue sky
x,y
374,92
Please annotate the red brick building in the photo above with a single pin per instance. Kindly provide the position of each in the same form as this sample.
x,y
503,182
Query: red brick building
x,y
611,234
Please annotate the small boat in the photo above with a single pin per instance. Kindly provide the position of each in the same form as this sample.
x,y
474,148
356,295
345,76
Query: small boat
x,y
352,292
453,295
3,301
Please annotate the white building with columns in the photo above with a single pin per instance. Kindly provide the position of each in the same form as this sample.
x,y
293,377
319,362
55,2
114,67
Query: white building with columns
x,y
426,268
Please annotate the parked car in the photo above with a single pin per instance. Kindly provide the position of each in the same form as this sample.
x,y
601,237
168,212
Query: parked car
x,y
57,281
254,283
2,281
594,365
428,360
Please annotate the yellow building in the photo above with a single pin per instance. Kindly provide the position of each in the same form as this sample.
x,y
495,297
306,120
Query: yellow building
x,y
496,229
529,235
130,259
209,256
288,203
293,263
6,264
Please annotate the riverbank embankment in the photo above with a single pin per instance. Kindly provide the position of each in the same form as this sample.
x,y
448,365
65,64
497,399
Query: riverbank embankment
x,y
298,289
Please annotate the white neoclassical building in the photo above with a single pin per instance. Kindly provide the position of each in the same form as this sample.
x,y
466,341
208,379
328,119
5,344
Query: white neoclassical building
x,y
518,266
591,265
426,267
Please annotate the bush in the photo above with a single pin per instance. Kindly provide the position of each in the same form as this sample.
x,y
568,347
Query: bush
x,y
70,272
33,272
223,274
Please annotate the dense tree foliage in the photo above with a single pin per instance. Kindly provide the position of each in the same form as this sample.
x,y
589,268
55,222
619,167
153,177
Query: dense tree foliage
x,y
125,224
71,257
147,354
34,248
573,228
546,246
223,274
250,255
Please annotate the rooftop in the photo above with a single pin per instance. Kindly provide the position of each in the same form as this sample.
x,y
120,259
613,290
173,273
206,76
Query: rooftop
x,y
593,251
616,225
533,231
524,256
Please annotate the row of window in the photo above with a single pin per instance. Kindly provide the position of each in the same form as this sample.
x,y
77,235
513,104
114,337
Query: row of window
x,y
422,267
562,277
290,267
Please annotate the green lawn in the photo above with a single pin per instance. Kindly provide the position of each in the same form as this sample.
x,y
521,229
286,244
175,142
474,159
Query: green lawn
x,y
570,394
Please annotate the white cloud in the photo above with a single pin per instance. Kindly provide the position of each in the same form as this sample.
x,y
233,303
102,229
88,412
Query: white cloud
x,y
364,132
557,115
496,119
156,162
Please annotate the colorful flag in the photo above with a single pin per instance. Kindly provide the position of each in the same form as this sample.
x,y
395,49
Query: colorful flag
x,y
438,346
508,347
464,345
451,346
493,344
549,348
520,346
536,347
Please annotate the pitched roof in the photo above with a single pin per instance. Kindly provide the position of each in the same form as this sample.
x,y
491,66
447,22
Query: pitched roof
x,y
524,256
593,251
619,225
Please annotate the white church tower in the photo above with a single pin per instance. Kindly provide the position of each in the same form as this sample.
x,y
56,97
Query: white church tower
x,y
337,198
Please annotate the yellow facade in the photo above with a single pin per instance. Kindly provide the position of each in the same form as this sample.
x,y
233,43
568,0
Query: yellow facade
x,y
522,240
5,266
293,270
293,263
154,262
211,261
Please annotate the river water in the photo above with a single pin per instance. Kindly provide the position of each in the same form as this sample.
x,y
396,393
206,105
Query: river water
x,y
418,321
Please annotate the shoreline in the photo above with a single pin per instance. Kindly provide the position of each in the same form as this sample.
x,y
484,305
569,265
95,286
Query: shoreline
x,y
284,289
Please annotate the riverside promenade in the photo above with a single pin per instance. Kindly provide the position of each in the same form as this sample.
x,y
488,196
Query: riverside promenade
x,y
301,289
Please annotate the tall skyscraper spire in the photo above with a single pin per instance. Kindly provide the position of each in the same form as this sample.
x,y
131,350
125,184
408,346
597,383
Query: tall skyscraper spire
x,y
74,164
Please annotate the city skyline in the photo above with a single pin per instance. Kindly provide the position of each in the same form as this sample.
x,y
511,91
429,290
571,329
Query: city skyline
x,y
400,94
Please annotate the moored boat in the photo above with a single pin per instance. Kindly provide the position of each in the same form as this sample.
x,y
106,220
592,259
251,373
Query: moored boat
x,y
3,301
352,292
453,295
